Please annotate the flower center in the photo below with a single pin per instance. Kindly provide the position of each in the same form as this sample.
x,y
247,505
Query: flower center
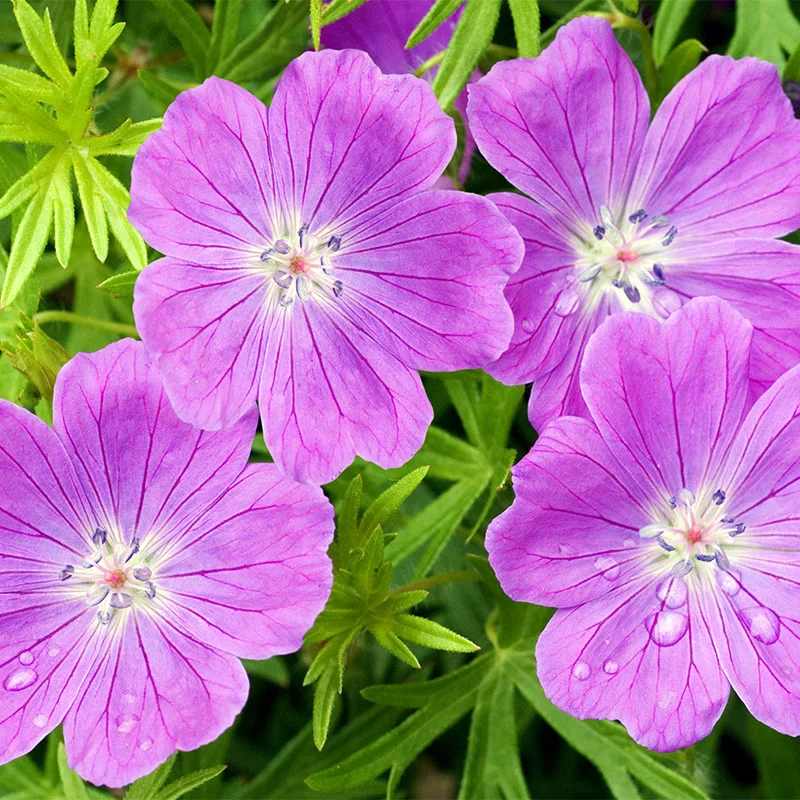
x,y
692,531
621,261
301,267
113,576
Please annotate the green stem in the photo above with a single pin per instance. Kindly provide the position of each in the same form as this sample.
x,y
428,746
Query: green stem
x,y
462,576
79,319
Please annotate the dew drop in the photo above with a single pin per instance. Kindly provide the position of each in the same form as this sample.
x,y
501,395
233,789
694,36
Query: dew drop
x,y
567,303
129,697
40,720
763,624
26,658
672,592
565,550
730,582
667,627
666,699
53,651
581,671
20,679
121,600
629,543
146,744
127,722
528,325
142,573
610,667
651,531
608,567
282,246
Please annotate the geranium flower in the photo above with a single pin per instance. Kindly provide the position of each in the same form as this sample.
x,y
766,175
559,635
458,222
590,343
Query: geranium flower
x,y
666,530
628,218
139,557
381,29
308,266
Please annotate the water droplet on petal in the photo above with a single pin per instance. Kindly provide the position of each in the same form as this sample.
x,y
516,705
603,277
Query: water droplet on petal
x,y
581,671
121,600
303,287
282,246
629,543
651,531
142,573
565,550
20,679
528,325
608,567
26,658
763,624
146,744
672,592
40,720
667,627
686,497
129,697
610,667
665,301
730,582
127,722
567,303
53,651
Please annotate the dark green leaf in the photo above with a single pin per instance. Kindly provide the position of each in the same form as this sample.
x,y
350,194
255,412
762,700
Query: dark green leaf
x,y
272,669
669,21
146,788
679,63
188,29
224,31
184,785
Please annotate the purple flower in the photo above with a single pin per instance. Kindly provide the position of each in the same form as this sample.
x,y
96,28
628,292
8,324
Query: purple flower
x,y
381,29
666,530
628,218
308,266
138,558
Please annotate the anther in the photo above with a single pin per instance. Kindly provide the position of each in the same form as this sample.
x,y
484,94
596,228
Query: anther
x,y
722,560
66,573
590,273
727,520
637,216
303,287
334,243
682,568
739,529
706,558
150,590
104,617
599,232
669,237
301,233
718,497
134,549
658,271
338,288
283,247
282,278
121,600
651,531
142,573
267,254
99,536
668,547
286,301
632,293
686,497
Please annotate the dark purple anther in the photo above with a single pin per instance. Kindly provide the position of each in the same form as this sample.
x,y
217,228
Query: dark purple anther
x,y
301,233
283,247
668,547
637,216
669,238
599,232
67,572
658,271
706,558
718,497
334,243
99,536
632,293
740,528
727,520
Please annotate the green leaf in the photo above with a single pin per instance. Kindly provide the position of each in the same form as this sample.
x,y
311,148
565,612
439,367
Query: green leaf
x,y
189,29
316,22
124,141
40,40
28,246
525,14
92,204
403,600
473,34
31,183
184,785
792,70
766,30
28,85
390,501
436,15
331,12
160,90
75,118
23,776
493,765
24,121
347,523
326,690
431,634
679,63
271,669
74,788
146,788
63,210
392,642
224,31
669,21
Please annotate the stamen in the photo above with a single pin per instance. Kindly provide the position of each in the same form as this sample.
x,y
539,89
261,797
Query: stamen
x,y
590,273
705,557
121,600
668,547
301,233
286,301
686,497
303,287
718,497
283,247
660,221
91,560
99,536
682,568
134,549
267,254
658,271
334,243
651,531
727,519
599,232
283,279
739,529
338,288
638,216
632,293
104,617
722,560
66,573
150,590
607,216
669,238
97,595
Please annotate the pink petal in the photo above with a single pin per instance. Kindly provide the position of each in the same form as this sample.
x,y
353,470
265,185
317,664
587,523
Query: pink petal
x,y
721,155
567,127
253,575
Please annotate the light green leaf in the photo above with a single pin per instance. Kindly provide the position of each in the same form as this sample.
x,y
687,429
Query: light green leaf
x,y
147,787
63,210
431,634
41,43
316,22
525,14
403,600
339,8
25,187
391,642
224,31
189,29
76,113
28,84
436,15
74,788
92,204
766,29
390,501
669,21
125,140
24,121
473,34
326,690
679,63
184,785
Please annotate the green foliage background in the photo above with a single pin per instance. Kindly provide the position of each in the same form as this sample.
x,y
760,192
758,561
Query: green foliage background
x,y
389,696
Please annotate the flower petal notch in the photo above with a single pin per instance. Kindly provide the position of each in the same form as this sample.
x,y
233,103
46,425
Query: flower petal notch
x,y
309,266
665,531
142,558
622,218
